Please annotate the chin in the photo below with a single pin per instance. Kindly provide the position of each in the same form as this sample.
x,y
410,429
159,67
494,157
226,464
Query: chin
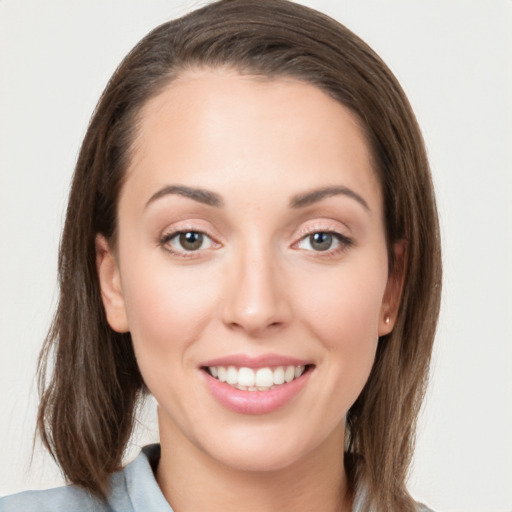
x,y
259,461
266,450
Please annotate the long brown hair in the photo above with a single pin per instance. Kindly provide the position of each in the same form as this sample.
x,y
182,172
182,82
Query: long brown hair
x,y
88,400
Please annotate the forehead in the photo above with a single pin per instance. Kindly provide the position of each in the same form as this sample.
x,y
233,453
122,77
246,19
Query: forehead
x,y
209,127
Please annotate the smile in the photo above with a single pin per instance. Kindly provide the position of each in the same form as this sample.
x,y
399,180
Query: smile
x,y
256,379
256,389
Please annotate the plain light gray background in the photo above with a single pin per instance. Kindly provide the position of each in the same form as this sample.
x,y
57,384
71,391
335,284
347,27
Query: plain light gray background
x,y
453,58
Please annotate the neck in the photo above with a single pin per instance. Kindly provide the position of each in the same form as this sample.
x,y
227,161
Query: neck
x,y
315,482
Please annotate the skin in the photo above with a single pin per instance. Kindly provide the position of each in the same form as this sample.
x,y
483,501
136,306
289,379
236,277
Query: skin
x,y
256,286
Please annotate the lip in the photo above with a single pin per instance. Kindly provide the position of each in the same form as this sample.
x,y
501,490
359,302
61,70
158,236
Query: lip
x,y
254,402
270,360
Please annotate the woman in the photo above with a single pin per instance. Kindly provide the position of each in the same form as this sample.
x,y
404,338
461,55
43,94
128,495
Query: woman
x,y
252,238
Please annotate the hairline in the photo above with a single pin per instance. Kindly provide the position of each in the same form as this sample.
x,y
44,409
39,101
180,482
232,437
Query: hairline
x,y
194,68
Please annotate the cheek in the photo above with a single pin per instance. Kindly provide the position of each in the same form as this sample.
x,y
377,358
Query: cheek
x,y
167,307
341,309
344,306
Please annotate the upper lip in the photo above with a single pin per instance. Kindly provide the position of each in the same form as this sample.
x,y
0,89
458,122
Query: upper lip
x,y
243,360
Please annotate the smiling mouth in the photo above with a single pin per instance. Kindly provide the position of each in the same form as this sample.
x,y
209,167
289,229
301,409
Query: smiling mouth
x,y
256,379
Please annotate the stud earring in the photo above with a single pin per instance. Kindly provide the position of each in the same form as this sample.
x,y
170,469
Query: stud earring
x,y
386,319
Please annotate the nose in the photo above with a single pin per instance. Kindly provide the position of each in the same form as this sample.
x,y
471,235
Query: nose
x,y
256,301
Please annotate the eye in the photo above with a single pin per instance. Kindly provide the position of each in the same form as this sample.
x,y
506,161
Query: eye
x,y
187,241
322,241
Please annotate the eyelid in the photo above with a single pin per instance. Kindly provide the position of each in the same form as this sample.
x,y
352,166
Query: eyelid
x,y
344,240
190,224
176,229
324,226
173,236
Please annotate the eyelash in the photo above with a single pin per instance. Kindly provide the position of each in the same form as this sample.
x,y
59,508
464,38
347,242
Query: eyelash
x,y
343,242
165,240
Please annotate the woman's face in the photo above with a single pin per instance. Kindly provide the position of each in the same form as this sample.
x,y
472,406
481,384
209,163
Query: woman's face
x,y
251,247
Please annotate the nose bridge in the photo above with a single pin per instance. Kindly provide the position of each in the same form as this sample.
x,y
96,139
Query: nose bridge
x,y
255,300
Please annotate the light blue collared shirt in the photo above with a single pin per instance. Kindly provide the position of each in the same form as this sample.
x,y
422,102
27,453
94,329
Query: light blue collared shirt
x,y
133,489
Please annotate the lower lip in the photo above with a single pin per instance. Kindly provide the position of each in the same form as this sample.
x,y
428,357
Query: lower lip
x,y
255,402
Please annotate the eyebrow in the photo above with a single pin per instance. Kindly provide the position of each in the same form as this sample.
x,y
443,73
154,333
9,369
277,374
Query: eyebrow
x,y
314,196
196,194
298,201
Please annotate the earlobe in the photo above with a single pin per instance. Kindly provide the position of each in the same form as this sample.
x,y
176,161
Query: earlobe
x,y
393,293
110,285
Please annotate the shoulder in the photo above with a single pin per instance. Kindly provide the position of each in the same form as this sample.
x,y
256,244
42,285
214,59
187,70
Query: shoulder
x,y
61,499
130,491
422,508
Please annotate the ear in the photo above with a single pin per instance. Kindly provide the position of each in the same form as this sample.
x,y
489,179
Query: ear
x,y
110,285
394,287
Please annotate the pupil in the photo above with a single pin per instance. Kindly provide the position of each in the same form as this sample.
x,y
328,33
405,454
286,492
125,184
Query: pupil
x,y
320,241
191,240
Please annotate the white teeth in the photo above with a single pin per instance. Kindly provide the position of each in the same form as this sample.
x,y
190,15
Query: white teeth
x,y
232,375
262,379
279,376
289,373
246,377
